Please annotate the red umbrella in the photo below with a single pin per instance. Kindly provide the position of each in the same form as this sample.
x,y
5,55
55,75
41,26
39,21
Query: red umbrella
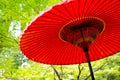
x,y
69,32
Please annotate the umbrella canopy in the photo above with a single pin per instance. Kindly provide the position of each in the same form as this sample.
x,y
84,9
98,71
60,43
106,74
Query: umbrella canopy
x,y
60,34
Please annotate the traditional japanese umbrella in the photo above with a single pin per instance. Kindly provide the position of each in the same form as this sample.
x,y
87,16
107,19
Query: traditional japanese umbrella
x,y
74,32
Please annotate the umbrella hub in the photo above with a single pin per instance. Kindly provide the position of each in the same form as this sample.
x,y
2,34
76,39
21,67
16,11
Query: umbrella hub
x,y
82,31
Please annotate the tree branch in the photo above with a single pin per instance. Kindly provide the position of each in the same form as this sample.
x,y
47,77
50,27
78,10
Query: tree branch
x,y
56,73
10,38
80,70
61,71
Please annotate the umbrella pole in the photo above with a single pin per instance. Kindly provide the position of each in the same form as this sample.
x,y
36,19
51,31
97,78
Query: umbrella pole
x,y
89,63
85,48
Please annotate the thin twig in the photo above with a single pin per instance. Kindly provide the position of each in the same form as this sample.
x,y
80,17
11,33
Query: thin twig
x,y
56,73
10,38
54,76
61,71
80,70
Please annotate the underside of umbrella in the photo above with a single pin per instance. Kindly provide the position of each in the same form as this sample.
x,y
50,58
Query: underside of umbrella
x,y
54,37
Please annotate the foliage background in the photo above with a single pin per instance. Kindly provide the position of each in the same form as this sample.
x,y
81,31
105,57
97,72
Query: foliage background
x,y
14,16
